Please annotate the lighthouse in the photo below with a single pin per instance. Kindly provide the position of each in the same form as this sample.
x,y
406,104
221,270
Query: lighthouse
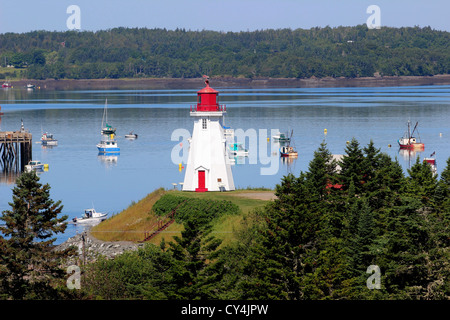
x,y
208,167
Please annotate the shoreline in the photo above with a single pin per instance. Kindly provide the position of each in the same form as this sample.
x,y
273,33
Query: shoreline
x,y
228,82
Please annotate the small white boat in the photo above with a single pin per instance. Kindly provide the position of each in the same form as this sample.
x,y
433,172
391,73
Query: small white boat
x,y
31,86
281,137
48,140
237,149
131,135
89,216
34,165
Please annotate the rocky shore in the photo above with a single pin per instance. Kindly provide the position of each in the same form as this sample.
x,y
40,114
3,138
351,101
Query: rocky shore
x,y
89,248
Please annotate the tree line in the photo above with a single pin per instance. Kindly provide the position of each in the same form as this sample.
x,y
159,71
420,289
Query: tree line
x,y
318,239
283,53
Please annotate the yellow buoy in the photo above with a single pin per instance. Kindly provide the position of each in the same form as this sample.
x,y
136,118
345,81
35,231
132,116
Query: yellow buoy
x,y
325,131
348,142
389,146
180,167
268,139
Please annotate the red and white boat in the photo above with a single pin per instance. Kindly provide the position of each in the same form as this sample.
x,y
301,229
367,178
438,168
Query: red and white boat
x,y
408,141
288,151
6,85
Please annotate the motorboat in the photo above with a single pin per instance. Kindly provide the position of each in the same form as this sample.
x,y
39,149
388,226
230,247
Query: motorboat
x,y
6,85
236,149
89,216
281,137
31,86
108,146
48,140
408,141
131,135
34,165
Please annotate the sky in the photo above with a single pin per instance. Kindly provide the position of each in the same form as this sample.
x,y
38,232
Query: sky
x,y
21,16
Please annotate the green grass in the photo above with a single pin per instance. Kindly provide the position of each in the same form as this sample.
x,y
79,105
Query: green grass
x,y
132,222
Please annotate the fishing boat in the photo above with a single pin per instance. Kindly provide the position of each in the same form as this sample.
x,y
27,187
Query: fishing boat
x,y
6,85
236,149
408,141
34,165
48,140
89,216
108,146
131,135
288,151
106,128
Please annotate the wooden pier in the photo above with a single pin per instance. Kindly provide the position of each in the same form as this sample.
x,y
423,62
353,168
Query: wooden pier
x,y
15,150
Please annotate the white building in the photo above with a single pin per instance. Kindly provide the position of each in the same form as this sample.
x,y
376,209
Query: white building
x,y
208,167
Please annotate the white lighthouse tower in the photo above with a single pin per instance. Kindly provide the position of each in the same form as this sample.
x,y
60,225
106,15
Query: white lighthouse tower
x,y
208,167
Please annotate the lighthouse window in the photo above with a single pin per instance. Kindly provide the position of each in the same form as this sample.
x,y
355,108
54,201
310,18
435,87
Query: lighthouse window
x,y
204,124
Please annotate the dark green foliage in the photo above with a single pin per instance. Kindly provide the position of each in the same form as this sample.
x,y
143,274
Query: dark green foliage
x,y
137,52
167,203
314,241
202,210
29,268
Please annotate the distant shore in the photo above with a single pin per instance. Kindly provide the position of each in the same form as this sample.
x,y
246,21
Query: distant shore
x,y
194,83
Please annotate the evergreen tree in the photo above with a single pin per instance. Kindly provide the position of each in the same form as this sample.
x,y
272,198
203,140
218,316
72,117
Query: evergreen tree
x,y
352,166
29,266
422,183
370,165
321,171
192,251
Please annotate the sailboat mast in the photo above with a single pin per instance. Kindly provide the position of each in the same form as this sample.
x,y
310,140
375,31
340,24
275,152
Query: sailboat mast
x,y
105,114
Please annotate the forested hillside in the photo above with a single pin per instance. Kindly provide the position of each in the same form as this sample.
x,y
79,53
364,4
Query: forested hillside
x,y
284,53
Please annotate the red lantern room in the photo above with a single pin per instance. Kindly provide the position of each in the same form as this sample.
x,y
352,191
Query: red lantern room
x,y
207,98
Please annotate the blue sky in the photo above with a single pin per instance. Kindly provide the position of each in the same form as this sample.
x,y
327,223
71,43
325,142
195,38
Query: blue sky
x,y
220,15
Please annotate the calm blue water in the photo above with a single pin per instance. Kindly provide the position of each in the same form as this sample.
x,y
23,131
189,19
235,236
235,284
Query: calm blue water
x,y
80,178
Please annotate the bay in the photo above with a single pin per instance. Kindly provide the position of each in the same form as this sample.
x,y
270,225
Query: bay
x,y
81,179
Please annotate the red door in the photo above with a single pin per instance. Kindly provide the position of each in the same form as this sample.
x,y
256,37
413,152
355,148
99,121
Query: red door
x,y
201,181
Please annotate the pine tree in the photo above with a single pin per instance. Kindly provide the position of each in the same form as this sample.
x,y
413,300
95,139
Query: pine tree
x,y
29,265
321,171
192,251
421,183
352,166
370,165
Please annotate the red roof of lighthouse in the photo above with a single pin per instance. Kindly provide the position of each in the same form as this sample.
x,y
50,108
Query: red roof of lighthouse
x,y
207,89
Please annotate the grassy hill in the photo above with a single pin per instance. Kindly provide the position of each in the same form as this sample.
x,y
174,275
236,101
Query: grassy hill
x,y
131,223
